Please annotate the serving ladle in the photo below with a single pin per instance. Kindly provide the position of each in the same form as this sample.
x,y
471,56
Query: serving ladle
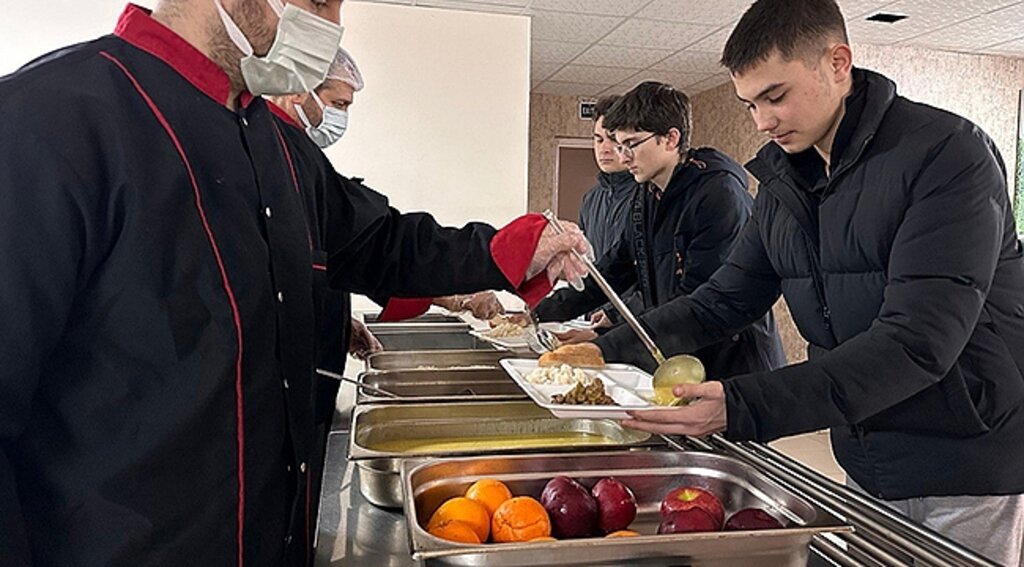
x,y
679,369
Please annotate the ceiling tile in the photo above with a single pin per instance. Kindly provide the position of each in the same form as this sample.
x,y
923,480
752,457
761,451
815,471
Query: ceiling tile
x,y
714,42
516,3
618,56
470,6
695,11
856,8
581,28
588,74
924,16
655,34
695,62
541,71
976,33
1013,48
554,51
578,89
601,7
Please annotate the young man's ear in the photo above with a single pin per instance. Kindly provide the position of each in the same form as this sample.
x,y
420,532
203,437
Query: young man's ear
x,y
672,139
840,62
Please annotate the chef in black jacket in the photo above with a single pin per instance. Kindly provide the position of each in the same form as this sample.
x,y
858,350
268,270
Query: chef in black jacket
x,y
164,250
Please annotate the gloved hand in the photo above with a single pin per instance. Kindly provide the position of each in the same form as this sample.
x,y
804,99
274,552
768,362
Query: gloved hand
x,y
553,254
363,343
483,305
600,320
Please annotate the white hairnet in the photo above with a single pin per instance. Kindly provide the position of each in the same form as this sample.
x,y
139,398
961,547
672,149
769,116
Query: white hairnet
x,y
344,69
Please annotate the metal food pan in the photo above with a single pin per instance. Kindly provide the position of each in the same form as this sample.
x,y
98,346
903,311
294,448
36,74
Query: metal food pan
x,y
430,338
434,359
454,385
374,319
374,425
650,475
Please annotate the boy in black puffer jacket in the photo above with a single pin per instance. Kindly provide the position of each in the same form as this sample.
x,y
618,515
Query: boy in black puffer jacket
x,y
887,226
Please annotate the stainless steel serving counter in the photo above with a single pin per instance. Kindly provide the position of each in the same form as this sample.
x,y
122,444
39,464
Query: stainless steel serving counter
x,y
352,532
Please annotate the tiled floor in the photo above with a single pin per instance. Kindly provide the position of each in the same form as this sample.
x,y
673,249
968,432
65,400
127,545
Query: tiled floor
x,y
814,450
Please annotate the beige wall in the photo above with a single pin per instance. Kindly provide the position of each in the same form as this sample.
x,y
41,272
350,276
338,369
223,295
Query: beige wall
x,y
439,126
980,87
551,117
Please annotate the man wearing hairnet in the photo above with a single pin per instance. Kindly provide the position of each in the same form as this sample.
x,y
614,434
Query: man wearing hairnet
x,y
323,115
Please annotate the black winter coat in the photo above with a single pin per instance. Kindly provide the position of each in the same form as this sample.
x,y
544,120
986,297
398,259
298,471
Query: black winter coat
x,y
673,242
904,272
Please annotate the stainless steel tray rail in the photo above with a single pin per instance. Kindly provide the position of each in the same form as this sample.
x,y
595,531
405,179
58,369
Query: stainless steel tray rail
x,y
882,537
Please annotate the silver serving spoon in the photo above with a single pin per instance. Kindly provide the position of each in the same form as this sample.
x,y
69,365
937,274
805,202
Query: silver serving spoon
x,y
679,369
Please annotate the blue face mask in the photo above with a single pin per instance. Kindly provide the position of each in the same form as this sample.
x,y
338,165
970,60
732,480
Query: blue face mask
x,y
332,126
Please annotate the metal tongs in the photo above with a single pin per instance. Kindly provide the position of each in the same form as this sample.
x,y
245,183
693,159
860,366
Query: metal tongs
x,y
367,387
612,296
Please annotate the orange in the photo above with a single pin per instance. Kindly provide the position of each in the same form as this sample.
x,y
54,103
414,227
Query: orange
x,y
454,530
520,519
489,492
543,538
462,509
623,533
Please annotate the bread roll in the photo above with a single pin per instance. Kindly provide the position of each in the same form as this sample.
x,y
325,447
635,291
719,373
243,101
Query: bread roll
x,y
583,355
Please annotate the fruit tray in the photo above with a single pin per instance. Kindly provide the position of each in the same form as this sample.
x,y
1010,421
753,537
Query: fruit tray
x,y
650,475
385,435
627,385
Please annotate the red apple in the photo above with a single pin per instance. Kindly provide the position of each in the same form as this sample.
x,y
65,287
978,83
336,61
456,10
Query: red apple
x,y
573,511
687,497
690,520
616,505
752,519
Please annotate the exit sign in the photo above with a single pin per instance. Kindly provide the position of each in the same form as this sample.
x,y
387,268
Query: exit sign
x,y
587,110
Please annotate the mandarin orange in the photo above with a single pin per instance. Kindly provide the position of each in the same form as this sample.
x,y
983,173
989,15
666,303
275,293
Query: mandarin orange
x,y
463,509
623,533
520,519
490,493
454,530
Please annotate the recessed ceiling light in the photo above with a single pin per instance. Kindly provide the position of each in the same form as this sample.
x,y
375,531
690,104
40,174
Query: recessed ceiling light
x,y
886,18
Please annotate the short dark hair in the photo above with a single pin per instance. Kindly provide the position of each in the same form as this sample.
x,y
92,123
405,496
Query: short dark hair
x,y
604,104
653,107
796,28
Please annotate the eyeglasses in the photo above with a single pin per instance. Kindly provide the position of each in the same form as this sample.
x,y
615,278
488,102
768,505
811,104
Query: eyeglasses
x,y
628,149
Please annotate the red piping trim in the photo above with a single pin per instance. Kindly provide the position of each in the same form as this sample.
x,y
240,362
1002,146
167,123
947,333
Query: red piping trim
x,y
295,179
239,406
280,113
320,267
309,542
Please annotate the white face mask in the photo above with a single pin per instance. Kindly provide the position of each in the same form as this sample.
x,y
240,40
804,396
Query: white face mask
x,y
299,58
332,126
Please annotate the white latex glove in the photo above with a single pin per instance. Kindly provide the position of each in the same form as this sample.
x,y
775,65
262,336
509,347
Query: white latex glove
x,y
363,343
554,255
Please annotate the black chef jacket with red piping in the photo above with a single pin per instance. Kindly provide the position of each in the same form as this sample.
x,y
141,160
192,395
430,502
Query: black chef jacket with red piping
x,y
162,262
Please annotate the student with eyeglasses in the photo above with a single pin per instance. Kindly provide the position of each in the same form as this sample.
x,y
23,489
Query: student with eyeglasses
x,y
689,206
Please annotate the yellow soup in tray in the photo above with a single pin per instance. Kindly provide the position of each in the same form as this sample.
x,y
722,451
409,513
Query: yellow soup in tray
x,y
491,442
